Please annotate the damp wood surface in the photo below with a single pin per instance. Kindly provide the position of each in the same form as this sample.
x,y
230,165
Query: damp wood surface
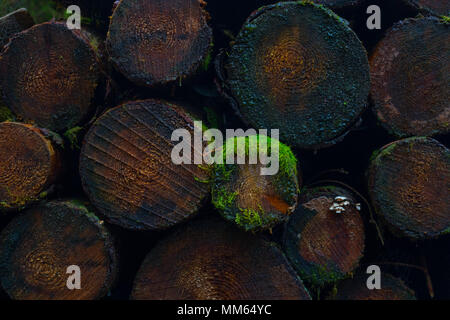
x,y
38,246
242,195
48,75
298,67
436,7
13,23
409,183
127,171
30,163
410,72
155,42
392,288
211,259
338,4
323,244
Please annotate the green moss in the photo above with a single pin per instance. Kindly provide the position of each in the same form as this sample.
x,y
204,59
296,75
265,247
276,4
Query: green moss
x,y
5,113
445,19
248,217
72,136
40,10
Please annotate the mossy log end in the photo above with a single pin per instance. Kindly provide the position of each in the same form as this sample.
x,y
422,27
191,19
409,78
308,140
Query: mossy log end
x,y
410,71
155,42
13,23
324,238
409,183
436,7
48,75
253,201
392,288
211,259
38,246
30,164
338,4
127,171
298,67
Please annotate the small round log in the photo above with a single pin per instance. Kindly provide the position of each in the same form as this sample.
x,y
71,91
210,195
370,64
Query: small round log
x,y
48,75
410,71
38,246
210,259
13,23
392,288
155,42
253,201
298,67
409,183
30,164
324,238
127,171
436,7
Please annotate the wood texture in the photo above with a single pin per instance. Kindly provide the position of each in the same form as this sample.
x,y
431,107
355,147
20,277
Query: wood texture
x,y
436,7
13,23
410,71
127,171
409,183
48,75
325,245
253,201
30,163
298,67
338,4
154,42
210,259
37,247
392,288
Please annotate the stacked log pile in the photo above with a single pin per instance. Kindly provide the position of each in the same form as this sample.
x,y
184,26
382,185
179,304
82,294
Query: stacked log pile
x,y
89,126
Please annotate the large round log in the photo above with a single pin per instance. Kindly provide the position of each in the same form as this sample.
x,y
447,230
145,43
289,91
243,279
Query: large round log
x,y
13,23
392,288
38,247
243,195
409,183
48,75
155,42
30,164
297,67
210,259
127,170
410,71
324,238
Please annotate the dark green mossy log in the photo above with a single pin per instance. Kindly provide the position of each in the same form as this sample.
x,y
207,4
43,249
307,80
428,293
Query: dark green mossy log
x,y
211,259
30,164
155,42
299,68
38,246
409,183
13,23
338,4
48,75
324,238
127,171
436,7
392,288
410,71
243,195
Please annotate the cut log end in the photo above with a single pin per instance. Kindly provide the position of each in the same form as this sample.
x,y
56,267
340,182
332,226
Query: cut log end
x,y
39,246
436,7
324,238
392,288
29,165
48,75
127,170
408,184
298,67
13,23
155,42
242,194
410,75
211,259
